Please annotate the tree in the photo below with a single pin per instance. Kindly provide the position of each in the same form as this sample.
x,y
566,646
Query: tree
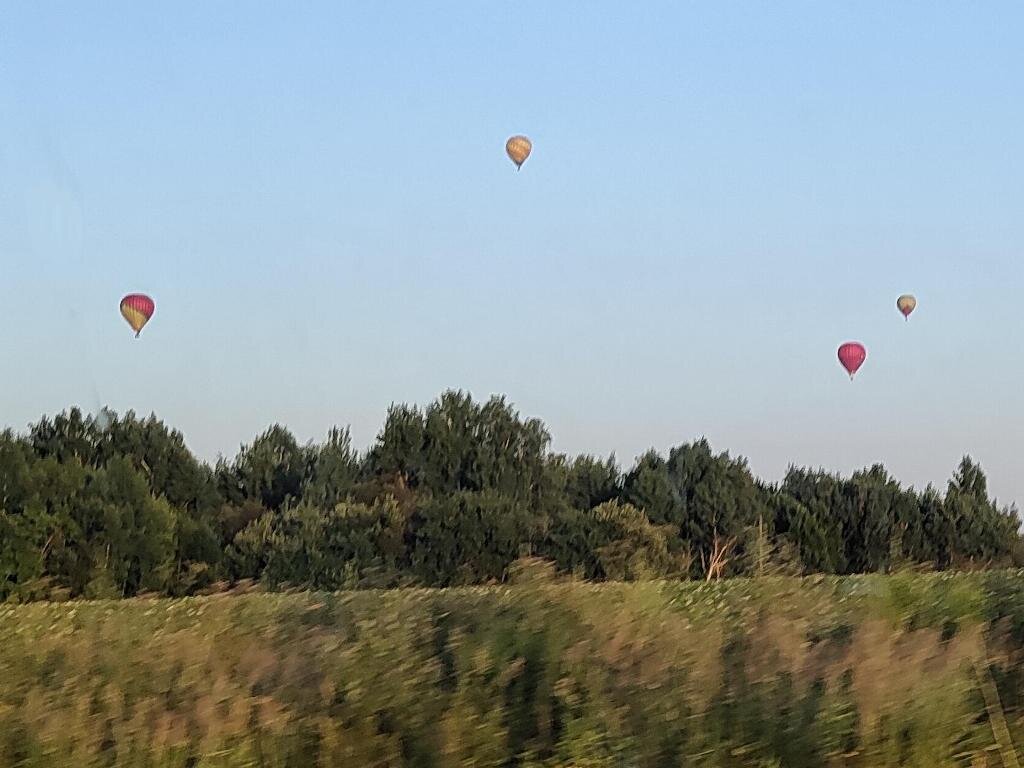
x,y
648,486
26,525
878,511
450,494
983,533
349,546
69,436
174,474
458,445
801,519
333,471
136,530
271,470
614,541
160,453
938,530
707,497
88,531
399,446
469,537
590,482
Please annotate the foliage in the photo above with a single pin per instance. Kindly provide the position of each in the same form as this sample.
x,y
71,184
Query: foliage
x,y
352,545
863,671
706,497
451,494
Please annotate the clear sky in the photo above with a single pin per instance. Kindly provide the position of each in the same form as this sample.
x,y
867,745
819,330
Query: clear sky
x,y
317,197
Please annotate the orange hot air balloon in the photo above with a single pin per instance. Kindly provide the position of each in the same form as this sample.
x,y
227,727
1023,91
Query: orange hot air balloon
x,y
137,308
851,356
906,304
518,149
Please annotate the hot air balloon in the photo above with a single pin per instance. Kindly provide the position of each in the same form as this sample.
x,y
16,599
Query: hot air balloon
x,y
518,148
851,356
906,304
137,308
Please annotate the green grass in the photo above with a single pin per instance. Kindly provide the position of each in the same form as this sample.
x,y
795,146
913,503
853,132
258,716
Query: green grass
x,y
868,671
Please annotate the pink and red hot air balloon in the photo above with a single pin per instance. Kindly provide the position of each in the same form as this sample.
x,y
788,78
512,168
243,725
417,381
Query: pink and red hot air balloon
x,y
137,308
851,356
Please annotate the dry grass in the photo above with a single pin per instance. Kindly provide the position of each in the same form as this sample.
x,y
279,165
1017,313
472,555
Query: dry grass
x,y
870,672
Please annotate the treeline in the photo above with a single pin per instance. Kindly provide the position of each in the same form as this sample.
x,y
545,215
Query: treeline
x,y
452,494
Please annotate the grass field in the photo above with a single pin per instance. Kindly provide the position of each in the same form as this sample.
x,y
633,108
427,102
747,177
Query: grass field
x,y
876,671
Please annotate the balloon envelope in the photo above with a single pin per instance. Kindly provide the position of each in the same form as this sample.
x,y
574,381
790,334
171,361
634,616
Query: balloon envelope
x,y
137,308
852,356
906,304
518,149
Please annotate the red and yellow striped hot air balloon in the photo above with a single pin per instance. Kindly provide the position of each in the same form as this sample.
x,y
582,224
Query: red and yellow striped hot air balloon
x,y
137,308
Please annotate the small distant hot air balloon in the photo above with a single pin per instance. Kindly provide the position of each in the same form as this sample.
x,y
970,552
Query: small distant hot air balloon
x,y
906,304
137,308
518,148
851,356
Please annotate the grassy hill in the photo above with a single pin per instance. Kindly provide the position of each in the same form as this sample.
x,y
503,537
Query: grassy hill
x,y
875,671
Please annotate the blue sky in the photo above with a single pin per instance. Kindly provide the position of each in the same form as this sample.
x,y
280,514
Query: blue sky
x,y
317,197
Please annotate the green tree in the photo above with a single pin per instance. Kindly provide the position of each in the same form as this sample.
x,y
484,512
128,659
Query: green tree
x,y
174,474
711,499
68,436
458,445
591,482
26,524
983,533
877,512
271,470
470,537
614,541
449,494
170,469
399,447
814,513
349,546
134,531
333,471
